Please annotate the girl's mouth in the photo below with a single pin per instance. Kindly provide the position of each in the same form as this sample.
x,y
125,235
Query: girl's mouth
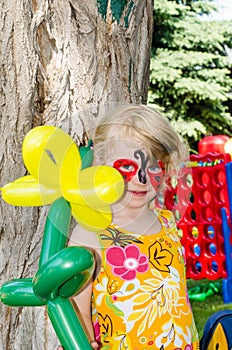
x,y
138,193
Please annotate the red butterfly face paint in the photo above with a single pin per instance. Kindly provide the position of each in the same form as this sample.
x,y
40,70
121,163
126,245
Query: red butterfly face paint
x,y
155,174
127,168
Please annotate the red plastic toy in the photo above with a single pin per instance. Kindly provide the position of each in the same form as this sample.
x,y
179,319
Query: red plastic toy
x,y
212,144
201,224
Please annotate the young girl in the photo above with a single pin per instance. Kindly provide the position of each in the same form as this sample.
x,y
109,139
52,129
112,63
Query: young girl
x,y
138,297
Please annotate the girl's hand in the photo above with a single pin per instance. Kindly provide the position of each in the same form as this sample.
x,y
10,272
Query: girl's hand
x,y
94,345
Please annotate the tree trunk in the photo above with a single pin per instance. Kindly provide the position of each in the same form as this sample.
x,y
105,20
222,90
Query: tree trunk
x,y
60,62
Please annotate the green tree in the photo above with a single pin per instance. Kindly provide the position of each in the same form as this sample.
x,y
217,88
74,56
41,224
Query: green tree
x,y
190,67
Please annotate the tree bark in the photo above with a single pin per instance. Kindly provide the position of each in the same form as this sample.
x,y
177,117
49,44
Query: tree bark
x,y
61,61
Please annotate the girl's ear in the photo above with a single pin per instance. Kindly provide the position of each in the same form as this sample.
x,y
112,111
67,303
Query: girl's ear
x,y
98,161
96,158
95,161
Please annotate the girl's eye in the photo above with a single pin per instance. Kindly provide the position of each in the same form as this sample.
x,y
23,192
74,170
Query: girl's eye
x,y
154,169
127,167
155,174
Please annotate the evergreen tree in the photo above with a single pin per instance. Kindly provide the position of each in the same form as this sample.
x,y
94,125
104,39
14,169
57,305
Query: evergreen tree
x,y
190,67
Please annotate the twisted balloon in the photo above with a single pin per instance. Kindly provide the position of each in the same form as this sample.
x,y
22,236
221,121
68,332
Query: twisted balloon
x,y
58,177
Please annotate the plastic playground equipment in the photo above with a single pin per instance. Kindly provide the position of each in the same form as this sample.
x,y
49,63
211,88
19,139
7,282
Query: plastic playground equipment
x,y
206,227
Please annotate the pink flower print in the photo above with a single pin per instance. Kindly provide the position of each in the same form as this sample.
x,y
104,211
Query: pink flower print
x,y
188,347
165,221
96,329
127,262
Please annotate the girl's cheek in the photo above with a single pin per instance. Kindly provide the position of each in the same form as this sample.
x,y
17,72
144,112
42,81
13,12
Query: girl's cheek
x,y
156,180
121,165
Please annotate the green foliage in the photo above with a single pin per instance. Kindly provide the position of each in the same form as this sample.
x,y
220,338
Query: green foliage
x,y
190,74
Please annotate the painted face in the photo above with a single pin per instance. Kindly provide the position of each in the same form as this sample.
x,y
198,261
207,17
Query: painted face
x,y
130,168
127,167
155,173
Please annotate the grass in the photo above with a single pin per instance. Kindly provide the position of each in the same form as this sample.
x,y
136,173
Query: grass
x,y
203,309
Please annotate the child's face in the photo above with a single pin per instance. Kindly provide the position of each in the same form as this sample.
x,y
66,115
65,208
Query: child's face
x,y
143,176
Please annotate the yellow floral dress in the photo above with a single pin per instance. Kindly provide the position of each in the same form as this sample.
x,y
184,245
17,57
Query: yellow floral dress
x,y
140,298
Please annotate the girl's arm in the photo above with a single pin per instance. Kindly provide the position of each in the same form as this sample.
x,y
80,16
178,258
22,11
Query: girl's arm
x,y
83,304
81,237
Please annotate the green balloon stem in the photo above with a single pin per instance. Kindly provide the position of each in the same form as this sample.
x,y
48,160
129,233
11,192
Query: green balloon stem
x,y
71,287
62,272
19,292
67,325
62,267
56,229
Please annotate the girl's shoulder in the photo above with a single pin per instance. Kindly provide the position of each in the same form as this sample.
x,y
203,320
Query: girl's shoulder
x,y
167,219
165,215
82,237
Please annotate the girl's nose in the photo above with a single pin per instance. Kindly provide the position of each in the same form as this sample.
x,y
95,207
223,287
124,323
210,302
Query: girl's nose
x,y
142,176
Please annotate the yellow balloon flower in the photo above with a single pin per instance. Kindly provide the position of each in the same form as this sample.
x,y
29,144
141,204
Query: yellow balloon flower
x,y
54,164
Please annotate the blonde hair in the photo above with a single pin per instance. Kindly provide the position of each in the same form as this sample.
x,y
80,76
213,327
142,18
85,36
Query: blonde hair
x,y
146,126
